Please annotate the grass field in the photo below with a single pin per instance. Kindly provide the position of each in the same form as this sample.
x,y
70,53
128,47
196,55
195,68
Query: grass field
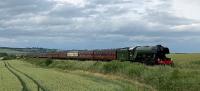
x,y
186,61
54,80
184,76
68,75
8,82
10,51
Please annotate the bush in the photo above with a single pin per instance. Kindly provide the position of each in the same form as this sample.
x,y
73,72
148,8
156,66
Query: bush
x,y
196,62
112,67
3,54
135,71
9,57
48,62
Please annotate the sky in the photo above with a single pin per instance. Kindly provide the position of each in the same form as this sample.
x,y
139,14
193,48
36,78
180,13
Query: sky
x,y
97,24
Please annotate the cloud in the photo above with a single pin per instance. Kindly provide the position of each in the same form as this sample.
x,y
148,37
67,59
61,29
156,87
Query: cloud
x,y
11,8
79,3
187,8
194,27
92,24
166,18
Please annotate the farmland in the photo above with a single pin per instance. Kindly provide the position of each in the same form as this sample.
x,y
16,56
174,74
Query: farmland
x,y
10,51
8,81
69,75
184,76
31,78
19,51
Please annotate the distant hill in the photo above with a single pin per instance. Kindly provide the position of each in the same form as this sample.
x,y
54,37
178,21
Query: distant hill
x,y
25,50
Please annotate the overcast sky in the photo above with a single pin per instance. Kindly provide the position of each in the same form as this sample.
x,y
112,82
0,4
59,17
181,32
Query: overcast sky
x,y
94,24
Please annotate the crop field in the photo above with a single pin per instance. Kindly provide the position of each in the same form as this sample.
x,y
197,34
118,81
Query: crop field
x,y
8,82
68,75
186,61
184,76
10,51
19,75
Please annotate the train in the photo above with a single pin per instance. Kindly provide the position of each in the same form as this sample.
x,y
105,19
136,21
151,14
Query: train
x,y
144,54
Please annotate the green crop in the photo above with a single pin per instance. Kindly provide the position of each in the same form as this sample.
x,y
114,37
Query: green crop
x,y
8,82
70,75
54,80
184,76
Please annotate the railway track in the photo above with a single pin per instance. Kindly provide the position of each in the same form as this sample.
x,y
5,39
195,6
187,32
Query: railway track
x,y
21,76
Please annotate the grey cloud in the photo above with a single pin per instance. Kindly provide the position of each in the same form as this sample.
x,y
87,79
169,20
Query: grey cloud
x,y
106,1
9,9
68,11
166,18
99,24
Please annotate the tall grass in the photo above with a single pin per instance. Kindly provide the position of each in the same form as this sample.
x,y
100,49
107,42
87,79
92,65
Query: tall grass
x,y
185,76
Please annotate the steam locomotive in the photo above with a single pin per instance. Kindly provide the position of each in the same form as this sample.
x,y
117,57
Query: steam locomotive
x,y
143,54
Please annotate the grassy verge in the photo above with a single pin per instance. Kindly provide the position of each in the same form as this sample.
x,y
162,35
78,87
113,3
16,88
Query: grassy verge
x,y
185,76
